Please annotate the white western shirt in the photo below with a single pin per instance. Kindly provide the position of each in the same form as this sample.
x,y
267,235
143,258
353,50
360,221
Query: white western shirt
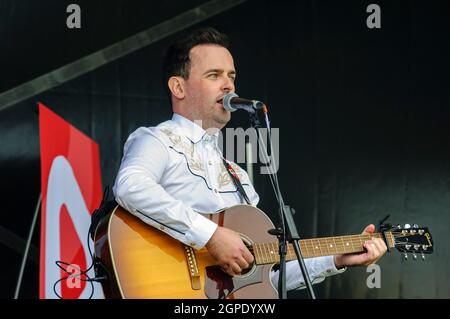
x,y
173,173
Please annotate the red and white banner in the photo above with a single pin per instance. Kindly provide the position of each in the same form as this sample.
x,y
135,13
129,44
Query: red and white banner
x,y
71,190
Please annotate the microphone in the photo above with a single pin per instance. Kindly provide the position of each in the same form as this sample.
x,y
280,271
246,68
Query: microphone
x,y
232,102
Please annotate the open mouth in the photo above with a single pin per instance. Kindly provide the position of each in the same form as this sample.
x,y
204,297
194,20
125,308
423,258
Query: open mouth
x,y
220,101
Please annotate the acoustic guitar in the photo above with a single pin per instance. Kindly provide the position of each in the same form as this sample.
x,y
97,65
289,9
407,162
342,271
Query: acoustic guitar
x,y
141,261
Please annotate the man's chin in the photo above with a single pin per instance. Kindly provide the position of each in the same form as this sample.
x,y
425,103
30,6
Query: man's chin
x,y
220,122
224,118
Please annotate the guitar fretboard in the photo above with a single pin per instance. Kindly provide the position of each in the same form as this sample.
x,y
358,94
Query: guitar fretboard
x,y
267,253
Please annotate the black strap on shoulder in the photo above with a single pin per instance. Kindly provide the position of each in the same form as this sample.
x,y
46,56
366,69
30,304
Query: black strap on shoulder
x,y
236,180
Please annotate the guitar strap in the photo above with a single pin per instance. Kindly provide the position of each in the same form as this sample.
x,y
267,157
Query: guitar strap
x,y
236,180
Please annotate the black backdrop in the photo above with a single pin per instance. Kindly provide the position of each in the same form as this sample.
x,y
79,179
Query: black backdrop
x,y
363,116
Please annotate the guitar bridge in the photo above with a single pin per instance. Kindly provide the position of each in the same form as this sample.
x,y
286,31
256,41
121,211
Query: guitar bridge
x,y
192,267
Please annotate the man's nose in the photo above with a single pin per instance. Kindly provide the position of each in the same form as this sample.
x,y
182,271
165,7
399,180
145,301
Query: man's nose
x,y
228,85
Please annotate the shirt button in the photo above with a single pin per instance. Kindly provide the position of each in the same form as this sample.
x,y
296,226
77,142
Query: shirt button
x,y
210,163
161,227
215,190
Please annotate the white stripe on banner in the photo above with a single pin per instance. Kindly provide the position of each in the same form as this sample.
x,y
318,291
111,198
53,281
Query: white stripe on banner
x,y
63,189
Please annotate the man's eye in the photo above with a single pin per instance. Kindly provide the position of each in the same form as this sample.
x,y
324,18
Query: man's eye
x,y
213,76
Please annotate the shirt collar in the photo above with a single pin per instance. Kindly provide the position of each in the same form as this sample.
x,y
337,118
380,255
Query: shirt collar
x,y
192,130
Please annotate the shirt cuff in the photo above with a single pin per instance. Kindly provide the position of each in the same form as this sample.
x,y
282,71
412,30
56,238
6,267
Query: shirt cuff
x,y
331,269
200,232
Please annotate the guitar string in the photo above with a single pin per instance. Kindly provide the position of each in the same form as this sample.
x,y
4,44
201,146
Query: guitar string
x,y
326,242
336,248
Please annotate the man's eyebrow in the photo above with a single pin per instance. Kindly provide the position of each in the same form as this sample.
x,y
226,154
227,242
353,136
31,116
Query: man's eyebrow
x,y
219,71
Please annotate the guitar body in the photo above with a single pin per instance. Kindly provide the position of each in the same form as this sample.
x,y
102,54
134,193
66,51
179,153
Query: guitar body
x,y
144,262
141,261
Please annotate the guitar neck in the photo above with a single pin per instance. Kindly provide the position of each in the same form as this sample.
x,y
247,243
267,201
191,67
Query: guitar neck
x,y
268,253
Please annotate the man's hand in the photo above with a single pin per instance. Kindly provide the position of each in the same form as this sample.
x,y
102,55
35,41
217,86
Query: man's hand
x,y
375,248
227,247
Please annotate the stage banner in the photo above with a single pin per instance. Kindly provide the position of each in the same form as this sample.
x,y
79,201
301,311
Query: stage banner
x,y
71,190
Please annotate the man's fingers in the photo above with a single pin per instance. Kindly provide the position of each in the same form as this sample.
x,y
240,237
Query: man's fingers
x,y
380,245
369,229
375,249
237,266
243,263
228,269
247,255
235,269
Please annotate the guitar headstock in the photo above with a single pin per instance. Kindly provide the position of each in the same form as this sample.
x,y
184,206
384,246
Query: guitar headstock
x,y
412,240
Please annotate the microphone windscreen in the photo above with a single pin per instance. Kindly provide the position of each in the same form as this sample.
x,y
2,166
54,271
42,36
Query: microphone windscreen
x,y
227,101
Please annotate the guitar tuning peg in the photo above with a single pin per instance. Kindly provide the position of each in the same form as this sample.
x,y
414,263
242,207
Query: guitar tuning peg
x,y
405,256
423,256
415,226
407,226
414,256
399,226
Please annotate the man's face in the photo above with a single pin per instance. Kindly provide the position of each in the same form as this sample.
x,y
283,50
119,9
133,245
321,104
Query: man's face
x,y
211,76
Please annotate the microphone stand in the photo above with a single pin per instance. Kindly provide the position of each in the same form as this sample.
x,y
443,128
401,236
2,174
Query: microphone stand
x,y
287,233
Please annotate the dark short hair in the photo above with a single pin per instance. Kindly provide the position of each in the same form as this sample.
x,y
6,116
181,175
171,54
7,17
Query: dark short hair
x,y
176,59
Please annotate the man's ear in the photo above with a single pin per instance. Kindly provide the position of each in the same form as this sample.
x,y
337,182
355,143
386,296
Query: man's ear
x,y
176,86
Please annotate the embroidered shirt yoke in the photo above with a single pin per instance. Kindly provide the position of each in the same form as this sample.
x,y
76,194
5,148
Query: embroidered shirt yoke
x,y
172,171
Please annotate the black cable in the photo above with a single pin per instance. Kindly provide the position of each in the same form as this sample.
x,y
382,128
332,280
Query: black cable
x,y
82,273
